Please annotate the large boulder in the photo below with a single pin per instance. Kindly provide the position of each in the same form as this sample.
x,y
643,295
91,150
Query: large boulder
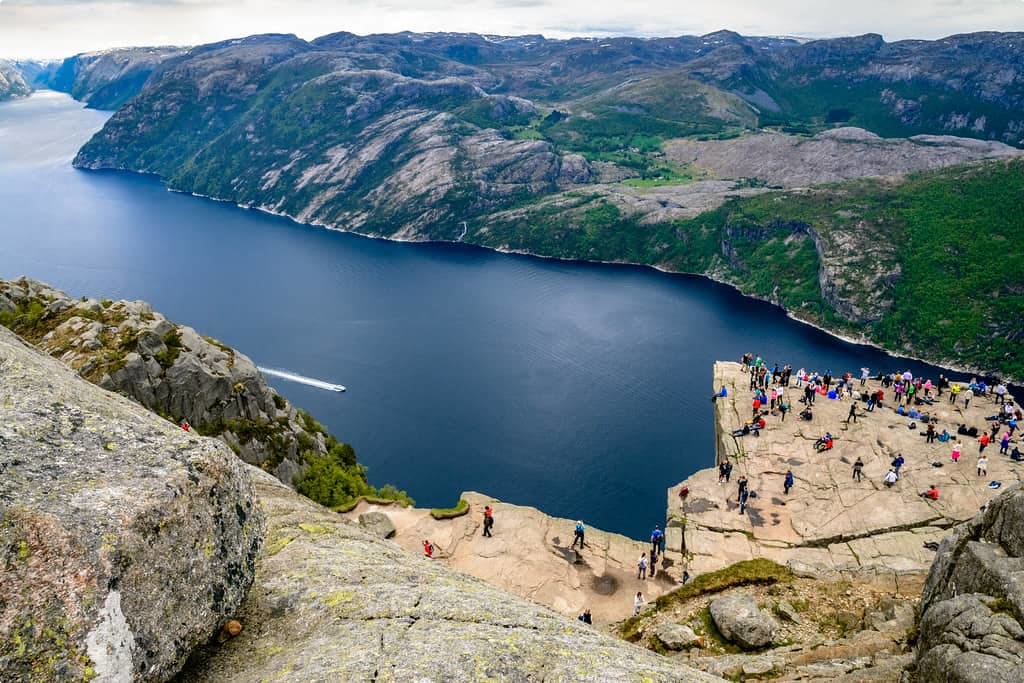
x,y
973,602
377,523
332,602
676,636
125,541
741,621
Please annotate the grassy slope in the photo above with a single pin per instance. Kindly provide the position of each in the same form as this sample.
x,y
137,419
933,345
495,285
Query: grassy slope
x,y
958,232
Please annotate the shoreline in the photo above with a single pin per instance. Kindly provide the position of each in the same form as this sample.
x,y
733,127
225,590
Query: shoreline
x,y
859,341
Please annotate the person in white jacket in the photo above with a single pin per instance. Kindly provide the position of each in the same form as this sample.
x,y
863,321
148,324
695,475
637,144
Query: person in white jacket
x,y
638,603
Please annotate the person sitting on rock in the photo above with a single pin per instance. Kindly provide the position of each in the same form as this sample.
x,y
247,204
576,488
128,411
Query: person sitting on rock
x,y
585,617
823,443
932,493
806,414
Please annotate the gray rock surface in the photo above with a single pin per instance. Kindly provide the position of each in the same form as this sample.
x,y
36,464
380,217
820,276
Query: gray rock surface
x,y
332,602
124,540
677,636
377,523
741,621
973,602
126,347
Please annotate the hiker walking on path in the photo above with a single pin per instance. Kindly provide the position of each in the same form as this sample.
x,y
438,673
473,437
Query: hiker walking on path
x,y
578,534
788,484
488,520
641,567
858,469
897,463
982,465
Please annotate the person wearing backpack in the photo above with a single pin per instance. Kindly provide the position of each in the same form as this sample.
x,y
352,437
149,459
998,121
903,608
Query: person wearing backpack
x,y
641,566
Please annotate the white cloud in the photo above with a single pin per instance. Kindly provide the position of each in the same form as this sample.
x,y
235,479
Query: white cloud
x,y
63,27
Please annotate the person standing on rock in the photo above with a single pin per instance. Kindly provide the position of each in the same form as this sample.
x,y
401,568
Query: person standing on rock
x,y
852,415
578,534
488,520
741,486
641,567
982,465
1004,443
955,455
864,374
788,484
656,539
858,469
897,463
744,495
930,433
654,561
638,603
983,442
721,471
968,395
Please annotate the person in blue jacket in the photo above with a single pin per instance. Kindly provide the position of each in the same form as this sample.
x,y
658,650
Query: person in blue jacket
x,y
789,481
656,539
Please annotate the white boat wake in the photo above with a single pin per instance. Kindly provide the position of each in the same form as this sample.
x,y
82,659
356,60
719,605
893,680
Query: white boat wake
x,y
301,379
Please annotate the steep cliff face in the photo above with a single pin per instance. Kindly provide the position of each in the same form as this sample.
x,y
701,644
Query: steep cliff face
x,y
107,79
972,611
170,369
124,541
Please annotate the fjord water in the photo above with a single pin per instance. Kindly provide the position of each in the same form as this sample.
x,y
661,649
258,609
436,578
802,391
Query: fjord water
x,y
580,389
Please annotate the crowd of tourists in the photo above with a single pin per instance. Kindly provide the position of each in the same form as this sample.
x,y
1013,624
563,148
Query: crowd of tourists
x,y
917,399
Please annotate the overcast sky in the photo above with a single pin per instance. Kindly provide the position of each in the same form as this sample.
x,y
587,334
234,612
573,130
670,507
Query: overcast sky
x,y
58,28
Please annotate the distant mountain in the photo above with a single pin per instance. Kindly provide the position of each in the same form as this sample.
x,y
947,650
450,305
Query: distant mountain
x,y
106,79
583,148
12,82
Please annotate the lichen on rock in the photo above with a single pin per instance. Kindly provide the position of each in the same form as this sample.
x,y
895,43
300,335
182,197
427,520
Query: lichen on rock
x,y
124,540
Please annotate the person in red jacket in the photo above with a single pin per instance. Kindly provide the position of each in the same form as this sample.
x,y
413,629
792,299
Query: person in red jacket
x,y
983,441
932,493
428,548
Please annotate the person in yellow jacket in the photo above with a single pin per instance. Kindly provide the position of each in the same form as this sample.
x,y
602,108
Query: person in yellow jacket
x,y
954,391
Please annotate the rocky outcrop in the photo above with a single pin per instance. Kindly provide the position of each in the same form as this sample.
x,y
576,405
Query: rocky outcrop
x,y
829,524
377,523
741,621
171,369
676,636
791,161
972,609
124,540
332,602
532,555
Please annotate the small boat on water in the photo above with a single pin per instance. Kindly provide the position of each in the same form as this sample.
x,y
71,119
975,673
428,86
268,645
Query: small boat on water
x,y
302,379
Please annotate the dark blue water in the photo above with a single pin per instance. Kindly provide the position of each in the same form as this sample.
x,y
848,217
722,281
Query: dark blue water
x,y
580,389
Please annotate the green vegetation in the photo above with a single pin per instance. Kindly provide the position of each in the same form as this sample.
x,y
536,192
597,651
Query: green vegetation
x,y
172,340
749,572
461,508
